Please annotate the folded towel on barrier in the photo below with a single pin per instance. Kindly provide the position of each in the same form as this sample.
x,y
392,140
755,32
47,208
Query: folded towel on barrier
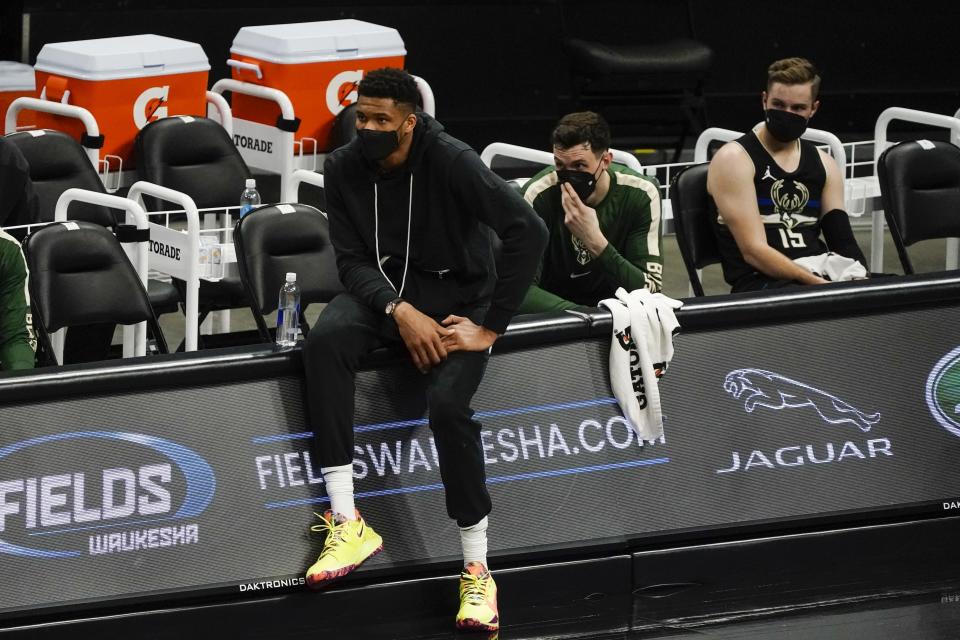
x,y
641,348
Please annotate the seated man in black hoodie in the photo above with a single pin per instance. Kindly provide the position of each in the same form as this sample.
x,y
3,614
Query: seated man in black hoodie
x,y
409,208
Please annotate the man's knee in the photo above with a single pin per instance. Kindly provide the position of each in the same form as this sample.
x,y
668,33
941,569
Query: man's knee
x,y
447,411
327,338
336,331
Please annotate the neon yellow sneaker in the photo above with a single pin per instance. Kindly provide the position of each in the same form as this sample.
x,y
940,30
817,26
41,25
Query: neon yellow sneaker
x,y
478,600
349,543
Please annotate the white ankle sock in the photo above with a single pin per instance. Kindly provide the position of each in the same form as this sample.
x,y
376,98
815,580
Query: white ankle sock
x,y
339,481
474,542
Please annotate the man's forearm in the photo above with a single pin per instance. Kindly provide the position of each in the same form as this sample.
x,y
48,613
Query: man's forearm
x,y
774,264
540,300
627,274
16,354
365,281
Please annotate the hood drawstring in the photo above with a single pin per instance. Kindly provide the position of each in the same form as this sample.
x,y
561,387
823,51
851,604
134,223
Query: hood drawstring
x,y
376,238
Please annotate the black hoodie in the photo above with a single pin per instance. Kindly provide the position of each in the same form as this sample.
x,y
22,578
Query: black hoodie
x,y
451,263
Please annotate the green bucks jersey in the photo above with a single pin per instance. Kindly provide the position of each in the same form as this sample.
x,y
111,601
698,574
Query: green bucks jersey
x,y
629,217
17,341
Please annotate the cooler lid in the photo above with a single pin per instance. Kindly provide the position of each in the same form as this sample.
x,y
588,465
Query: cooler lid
x,y
324,41
16,76
123,57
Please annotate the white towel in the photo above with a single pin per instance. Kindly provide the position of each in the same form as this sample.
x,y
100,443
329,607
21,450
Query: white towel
x,y
641,347
833,267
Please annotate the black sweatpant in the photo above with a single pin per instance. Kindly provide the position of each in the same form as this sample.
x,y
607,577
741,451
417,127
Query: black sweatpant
x,y
345,332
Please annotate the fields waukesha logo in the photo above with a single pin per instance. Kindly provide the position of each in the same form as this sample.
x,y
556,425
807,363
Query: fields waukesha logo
x,y
125,495
943,392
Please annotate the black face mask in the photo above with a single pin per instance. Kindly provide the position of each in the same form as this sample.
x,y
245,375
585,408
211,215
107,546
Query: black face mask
x,y
377,145
583,182
783,125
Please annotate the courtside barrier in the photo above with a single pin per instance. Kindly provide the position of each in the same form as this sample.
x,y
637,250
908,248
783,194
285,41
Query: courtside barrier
x,y
189,474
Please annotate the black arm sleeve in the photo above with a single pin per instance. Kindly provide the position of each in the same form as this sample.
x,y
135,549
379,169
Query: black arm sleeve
x,y
835,226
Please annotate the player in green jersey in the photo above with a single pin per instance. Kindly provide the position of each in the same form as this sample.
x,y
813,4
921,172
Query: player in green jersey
x,y
18,205
603,219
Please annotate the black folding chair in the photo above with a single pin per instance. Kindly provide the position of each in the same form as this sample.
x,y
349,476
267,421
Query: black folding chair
x,y
57,163
195,156
80,276
691,217
920,191
272,241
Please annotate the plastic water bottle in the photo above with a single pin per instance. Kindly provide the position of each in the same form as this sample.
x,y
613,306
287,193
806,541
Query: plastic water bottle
x,y
288,312
250,197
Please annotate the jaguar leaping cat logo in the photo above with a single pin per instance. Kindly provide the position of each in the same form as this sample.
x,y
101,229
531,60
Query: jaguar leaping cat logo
x,y
757,387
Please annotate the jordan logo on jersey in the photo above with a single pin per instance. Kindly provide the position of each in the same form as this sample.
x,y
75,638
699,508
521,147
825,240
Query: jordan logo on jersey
x,y
767,174
790,198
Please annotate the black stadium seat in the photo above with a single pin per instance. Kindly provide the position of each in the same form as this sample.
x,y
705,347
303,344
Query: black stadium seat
x,y
57,163
691,217
920,190
272,241
80,276
195,156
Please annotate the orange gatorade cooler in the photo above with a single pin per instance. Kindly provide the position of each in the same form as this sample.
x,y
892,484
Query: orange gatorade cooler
x,y
316,64
124,82
17,81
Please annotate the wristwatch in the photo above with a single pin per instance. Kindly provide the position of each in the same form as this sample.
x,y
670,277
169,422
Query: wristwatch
x,y
392,306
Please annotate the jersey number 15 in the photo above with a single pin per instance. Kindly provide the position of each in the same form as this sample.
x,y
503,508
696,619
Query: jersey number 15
x,y
791,239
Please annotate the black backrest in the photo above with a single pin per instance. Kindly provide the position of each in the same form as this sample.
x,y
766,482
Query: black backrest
x,y
920,190
57,163
691,216
193,155
270,241
344,126
80,275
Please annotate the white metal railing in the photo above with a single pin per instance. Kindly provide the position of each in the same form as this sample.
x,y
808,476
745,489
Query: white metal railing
x,y
426,96
223,111
716,134
134,337
59,109
285,151
301,176
709,136
495,149
191,252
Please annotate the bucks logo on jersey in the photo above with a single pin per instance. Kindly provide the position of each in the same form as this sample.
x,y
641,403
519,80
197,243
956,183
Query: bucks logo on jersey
x,y
583,256
789,199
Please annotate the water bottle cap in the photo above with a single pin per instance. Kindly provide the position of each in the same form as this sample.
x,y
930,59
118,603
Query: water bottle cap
x,y
251,183
291,277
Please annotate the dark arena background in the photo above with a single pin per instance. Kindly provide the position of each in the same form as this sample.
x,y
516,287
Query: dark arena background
x,y
807,485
